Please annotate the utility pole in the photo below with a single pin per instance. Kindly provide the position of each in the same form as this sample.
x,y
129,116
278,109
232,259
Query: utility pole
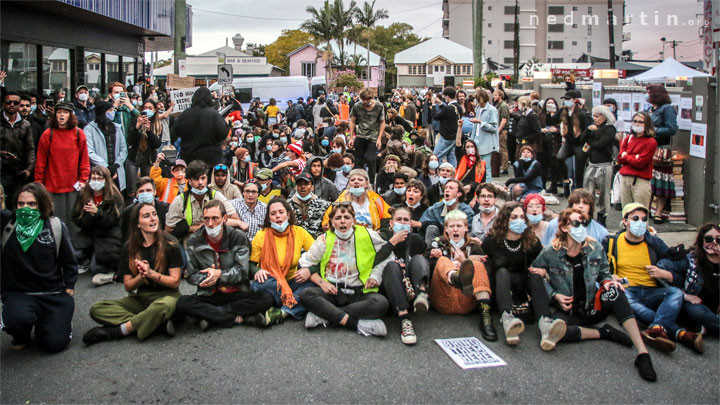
x,y
516,43
674,45
611,34
477,15
662,53
180,28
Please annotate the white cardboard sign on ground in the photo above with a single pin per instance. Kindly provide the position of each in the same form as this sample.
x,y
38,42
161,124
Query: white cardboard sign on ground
x,y
470,352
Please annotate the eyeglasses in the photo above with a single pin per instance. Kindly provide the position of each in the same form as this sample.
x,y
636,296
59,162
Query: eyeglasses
x,y
12,102
638,122
635,218
97,178
342,203
710,239
250,192
220,167
486,196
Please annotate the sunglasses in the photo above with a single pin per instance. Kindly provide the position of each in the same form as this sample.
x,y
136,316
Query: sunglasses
x,y
221,167
710,239
576,222
635,218
11,102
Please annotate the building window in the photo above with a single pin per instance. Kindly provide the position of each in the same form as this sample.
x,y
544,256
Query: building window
x,y
574,8
92,69
574,43
555,60
412,70
589,10
19,61
589,29
509,10
457,70
489,25
308,69
437,68
574,25
555,44
363,74
556,10
509,60
556,27
489,41
55,71
589,48
509,27
489,8
574,60
509,44
111,68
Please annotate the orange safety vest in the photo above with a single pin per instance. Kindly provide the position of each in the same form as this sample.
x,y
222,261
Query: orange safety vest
x,y
344,112
167,197
463,168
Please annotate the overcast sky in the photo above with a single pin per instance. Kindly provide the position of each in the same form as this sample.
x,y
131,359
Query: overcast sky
x,y
262,21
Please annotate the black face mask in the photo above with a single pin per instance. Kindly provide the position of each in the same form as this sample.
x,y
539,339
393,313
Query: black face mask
x,y
568,84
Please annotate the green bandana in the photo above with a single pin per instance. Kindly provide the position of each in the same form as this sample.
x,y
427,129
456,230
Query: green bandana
x,y
28,226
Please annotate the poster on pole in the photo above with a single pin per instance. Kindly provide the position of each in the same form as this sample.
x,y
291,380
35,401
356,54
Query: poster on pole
x,y
176,82
182,98
469,352
675,101
637,102
597,94
698,139
182,67
685,117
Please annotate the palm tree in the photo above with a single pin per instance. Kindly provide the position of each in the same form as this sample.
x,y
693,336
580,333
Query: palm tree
x,y
321,26
368,17
342,18
356,61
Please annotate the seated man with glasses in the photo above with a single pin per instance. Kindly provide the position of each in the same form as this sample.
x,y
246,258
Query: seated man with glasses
x,y
633,254
250,210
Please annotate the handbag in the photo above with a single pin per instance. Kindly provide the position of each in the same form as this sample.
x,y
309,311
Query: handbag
x,y
662,157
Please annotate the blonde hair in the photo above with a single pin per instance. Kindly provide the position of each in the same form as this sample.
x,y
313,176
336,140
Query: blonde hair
x,y
455,215
524,100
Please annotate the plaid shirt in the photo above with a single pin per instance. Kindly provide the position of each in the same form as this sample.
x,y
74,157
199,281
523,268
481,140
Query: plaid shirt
x,y
254,218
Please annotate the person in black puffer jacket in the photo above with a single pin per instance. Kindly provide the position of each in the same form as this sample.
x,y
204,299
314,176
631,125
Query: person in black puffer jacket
x,y
202,130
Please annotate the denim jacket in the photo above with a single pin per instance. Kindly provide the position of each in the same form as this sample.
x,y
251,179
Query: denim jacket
x,y
559,278
686,275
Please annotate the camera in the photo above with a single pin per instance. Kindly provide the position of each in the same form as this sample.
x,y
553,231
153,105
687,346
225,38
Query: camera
x,y
170,157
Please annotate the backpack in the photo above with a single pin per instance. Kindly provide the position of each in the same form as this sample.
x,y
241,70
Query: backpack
x,y
55,226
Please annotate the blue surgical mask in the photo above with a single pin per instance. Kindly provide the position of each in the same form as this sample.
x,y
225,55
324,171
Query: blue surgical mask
x,y
433,164
263,187
457,245
450,203
517,226
146,197
135,102
534,219
578,233
568,103
283,139
647,98
247,158
357,191
325,142
110,115
346,169
116,96
198,191
336,150
401,227
443,180
280,227
399,190
149,113
268,148
525,159
250,139
33,107
275,135
233,144
307,197
638,228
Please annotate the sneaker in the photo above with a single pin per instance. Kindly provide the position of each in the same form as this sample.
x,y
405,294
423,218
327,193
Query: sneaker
x,y
657,337
203,324
503,172
421,304
18,345
466,275
82,269
486,326
169,328
616,335
513,328
691,340
407,333
645,367
274,316
102,334
313,321
103,278
371,327
256,319
551,330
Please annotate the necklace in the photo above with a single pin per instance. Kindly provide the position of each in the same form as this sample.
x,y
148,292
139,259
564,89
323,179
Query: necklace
x,y
515,249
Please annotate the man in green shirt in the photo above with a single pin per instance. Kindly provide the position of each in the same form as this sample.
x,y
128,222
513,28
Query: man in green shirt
x,y
367,125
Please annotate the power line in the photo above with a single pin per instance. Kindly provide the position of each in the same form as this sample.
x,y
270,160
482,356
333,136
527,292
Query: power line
x,y
248,16
414,9
436,21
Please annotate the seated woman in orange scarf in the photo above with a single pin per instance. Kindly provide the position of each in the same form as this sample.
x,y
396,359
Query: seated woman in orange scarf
x,y
274,258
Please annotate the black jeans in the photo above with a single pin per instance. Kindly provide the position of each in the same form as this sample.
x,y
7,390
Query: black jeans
x,y
50,314
333,308
366,152
508,283
613,301
580,160
419,272
221,309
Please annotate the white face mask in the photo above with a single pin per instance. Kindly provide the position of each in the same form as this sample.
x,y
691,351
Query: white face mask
x,y
638,129
96,185
213,232
83,96
345,235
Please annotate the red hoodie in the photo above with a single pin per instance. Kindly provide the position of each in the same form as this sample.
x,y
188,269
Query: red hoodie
x,y
56,164
638,161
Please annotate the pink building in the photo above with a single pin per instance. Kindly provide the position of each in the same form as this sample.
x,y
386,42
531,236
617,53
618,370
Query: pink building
x,y
306,61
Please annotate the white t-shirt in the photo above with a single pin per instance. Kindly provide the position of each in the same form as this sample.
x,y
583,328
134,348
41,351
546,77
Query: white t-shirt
x,y
362,213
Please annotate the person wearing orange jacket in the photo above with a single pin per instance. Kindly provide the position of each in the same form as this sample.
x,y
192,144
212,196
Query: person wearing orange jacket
x,y
166,189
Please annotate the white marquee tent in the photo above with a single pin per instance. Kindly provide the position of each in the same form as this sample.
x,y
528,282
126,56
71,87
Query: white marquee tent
x,y
669,70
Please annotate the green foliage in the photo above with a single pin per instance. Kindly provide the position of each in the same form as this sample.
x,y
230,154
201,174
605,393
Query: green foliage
x,y
387,41
347,78
288,41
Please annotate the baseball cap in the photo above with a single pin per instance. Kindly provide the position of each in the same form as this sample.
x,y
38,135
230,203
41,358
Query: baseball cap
x,y
82,86
180,162
264,174
628,208
304,176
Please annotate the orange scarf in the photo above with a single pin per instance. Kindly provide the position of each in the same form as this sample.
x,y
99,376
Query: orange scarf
x,y
269,262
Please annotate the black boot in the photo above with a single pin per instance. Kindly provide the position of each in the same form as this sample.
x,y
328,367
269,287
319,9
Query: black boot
x,y
566,189
486,326
602,218
102,334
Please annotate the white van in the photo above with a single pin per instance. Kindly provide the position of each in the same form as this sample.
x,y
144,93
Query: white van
x,y
281,88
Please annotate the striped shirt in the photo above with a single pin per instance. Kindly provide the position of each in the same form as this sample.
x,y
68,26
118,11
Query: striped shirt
x,y
254,218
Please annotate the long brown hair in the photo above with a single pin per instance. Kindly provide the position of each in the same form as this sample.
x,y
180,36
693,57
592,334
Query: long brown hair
x,y
649,127
110,194
571,121
72,121
136,240
700,256
501,227
561,238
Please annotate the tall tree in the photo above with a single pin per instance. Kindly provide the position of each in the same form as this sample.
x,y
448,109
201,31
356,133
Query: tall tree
x,y
321,26
368,17
288,41
387,41
342,19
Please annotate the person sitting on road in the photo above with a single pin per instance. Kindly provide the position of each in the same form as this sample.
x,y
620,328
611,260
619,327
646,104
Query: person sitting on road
x,y
528,177
584,201
415,201
348,278
308,207
460,281
368,206
485,196
221,182
396,194
534,205
150,267
249,209
168,188
323,187
445,172
145,187
276,250
433,219
576,274
697,273
511,248
268,188
633,254
39,271
97,213
407,278
218,265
